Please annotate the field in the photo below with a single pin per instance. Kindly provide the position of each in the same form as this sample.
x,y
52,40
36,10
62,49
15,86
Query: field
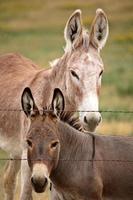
x,y
35,29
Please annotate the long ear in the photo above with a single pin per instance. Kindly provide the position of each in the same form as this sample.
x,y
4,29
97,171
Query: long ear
x,y
58,102
73,30
28,103
99,30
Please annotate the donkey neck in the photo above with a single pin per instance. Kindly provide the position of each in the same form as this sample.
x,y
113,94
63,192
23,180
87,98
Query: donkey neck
x,y
76,149
74,143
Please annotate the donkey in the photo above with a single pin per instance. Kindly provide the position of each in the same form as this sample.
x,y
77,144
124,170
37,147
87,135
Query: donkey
x,y
76,163
78,73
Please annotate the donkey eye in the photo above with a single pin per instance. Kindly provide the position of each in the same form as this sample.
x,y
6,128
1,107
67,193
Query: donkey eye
x,y
54,144
29,143
74,74
101,73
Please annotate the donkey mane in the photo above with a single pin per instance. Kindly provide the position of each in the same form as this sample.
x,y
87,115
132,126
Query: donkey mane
x,y
66,117
71,119
84,40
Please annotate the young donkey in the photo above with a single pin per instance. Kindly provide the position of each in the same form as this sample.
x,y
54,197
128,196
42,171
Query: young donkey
x,y
78,73
80,166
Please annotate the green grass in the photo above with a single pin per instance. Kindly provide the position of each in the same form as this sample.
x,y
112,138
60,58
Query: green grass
x,y
35,29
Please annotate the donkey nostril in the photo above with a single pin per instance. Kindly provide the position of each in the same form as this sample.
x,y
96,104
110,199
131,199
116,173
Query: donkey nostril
x,y
85,119
32,180
45,181
100,119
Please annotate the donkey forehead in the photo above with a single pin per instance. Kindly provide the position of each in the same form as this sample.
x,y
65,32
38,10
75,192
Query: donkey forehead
x,y
40,134
42,126
91,60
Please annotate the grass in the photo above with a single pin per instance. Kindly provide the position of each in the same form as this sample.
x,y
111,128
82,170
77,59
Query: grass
x,y
35,29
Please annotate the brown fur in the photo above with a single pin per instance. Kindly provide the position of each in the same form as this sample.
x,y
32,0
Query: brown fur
x,y
72,120
18,72
81,166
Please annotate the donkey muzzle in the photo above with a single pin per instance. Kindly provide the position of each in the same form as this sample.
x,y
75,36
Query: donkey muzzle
x,y
39,185
39,178
92,120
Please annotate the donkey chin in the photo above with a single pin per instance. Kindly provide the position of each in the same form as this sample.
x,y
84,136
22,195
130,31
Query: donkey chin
x,y
39,180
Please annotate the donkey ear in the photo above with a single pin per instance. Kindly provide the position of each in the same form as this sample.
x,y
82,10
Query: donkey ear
x,y
99,30
58,102
73,30
28,103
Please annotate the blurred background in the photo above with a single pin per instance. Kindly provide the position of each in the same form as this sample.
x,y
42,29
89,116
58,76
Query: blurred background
x,y
34,28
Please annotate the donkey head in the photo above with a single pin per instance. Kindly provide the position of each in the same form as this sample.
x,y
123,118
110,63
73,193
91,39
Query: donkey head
x,y
42,138
84,66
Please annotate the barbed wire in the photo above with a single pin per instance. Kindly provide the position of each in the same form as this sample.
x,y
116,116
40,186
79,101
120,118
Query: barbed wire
x,y
70,160
101,111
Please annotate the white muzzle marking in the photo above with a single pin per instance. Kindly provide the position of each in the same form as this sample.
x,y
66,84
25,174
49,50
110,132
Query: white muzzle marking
x,y
90,118
90,103
40,170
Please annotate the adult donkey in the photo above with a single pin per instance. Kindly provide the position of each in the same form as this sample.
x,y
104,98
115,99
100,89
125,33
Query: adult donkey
x,y
80,166
78,73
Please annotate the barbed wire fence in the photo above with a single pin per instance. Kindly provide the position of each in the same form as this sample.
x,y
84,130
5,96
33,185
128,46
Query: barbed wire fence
x,y
101,111
130,112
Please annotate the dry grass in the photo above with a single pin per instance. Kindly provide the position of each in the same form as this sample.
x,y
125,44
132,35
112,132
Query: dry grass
x,y
116,128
